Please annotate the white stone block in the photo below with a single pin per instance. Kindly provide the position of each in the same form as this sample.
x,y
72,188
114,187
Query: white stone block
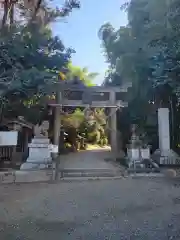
x,y
8,138
133,154
145,153
53,148
39,153
163,127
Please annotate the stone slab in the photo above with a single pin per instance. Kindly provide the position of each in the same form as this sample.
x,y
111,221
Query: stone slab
x,y
148,175
35,165
7,177
32,176
39,160
80,179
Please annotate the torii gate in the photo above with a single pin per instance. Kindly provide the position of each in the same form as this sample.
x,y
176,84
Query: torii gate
x,y
73,95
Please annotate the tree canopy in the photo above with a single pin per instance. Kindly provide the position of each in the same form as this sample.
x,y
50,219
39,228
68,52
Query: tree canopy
x,y
81,73
146,52
147,49
30,56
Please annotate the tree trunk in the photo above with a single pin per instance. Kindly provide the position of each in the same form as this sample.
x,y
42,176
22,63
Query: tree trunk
x,y
36,9
11,14
5,14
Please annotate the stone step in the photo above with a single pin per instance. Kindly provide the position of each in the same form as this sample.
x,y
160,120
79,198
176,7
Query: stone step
x,y
143,170
89,172
72,179
79,174
150,175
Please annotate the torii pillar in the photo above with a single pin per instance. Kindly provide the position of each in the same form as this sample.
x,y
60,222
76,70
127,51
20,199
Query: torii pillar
x,y
113,125
56,132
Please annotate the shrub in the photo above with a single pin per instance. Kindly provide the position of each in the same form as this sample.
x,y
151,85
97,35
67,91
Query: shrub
x,y
105,141
94,137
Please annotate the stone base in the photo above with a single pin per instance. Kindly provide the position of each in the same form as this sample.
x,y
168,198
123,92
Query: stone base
x,y
168,157
39,155
33,165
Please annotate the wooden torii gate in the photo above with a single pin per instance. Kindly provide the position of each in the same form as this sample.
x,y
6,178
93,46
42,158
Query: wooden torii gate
x,y
73,95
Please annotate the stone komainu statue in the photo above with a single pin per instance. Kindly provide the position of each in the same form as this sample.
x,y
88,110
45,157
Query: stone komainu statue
x,y
41,130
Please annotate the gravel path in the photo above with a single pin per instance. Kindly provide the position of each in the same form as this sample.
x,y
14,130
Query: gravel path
x,y
113,209
89,159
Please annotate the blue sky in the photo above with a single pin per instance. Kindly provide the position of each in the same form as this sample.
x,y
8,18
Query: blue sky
x,y
80,31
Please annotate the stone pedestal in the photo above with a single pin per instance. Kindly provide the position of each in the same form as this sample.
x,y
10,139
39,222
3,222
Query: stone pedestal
x,y
134,156
164,155
39,155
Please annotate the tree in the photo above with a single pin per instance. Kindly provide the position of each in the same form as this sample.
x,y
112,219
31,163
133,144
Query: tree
x,y
75,121
81,73
31,58
146,51
32,11
91,128
30,61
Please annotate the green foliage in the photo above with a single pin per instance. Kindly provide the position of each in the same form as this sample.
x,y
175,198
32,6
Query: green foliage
x,y
94,137
30,62
103,141
81,73
75,119
146,51
30,57
91,131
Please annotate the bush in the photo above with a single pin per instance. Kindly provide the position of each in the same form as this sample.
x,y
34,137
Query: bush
x,y
101,142
94,137
105,141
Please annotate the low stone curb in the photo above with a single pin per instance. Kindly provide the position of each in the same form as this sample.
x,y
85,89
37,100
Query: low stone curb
x,y
79,179
25,176
144,175
44,176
